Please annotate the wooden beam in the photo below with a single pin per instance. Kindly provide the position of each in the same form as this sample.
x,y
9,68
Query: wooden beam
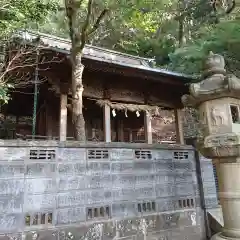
x,y
179,126
49,122
63,118
148,128
107,123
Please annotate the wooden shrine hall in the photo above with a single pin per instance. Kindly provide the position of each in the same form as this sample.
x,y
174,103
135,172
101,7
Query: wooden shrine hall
x,y
124,96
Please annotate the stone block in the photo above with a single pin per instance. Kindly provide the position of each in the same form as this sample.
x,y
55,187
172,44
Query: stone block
x,y
209,189
109,230
95,231
124,209
98,168
165,204
11,186
11,236
124,194
121,154
144,166
143,180
43,185
164,166
211,201
99,181
122,167
184,189
45,234
162,178
183,166
70,199
162,154
13,154
123,181
145,193
185,177
96,196
39,202
11,204
139,226
189,218
69,183
160,235
11,223
12,170
165,190
127,227
40,169
207,177
71,154
71,169
170,220
72,232
70,215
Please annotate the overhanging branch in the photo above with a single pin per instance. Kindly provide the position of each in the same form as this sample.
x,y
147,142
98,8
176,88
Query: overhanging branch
x,y
86,25
98,21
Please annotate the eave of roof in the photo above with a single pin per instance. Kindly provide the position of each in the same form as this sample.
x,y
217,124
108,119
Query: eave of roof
x,y
104,55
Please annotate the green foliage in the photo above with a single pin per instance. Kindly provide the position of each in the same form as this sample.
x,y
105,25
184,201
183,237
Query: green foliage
x,y
4,96
15,14
140,27
144,28
223,38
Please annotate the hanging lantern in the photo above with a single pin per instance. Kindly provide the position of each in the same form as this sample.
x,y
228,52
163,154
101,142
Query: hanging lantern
x,y
126,113
114,113
137,113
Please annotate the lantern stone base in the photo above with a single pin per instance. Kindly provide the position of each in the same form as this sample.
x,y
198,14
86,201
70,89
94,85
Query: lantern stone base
x,y
220,236
225,148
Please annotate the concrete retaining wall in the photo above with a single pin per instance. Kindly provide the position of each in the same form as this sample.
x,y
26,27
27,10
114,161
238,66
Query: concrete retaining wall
x,y
102,191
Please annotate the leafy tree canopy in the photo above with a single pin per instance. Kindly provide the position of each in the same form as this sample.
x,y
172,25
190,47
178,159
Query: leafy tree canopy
x,y
15,14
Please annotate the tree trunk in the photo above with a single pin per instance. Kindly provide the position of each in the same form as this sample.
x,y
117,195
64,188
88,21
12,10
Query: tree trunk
x,y
77,101
180,31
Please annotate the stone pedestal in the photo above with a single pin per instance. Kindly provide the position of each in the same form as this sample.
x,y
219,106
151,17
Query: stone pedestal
x,y
230,198
217,98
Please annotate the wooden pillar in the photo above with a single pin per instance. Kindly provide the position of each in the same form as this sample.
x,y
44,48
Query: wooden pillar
x,y
120,131
148,128
107,123
49,121
179,126
63,118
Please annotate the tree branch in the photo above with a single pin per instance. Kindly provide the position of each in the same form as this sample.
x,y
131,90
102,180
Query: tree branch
x,y
86,25
71,15
98,21
20,59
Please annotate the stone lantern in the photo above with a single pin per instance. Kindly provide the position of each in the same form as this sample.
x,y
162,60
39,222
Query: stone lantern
x,y
217,99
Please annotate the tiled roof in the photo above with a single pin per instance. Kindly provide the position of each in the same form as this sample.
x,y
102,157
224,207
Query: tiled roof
x,y
100,54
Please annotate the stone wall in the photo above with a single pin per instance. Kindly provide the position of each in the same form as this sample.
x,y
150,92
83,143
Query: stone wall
x,y
209,183
98,191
